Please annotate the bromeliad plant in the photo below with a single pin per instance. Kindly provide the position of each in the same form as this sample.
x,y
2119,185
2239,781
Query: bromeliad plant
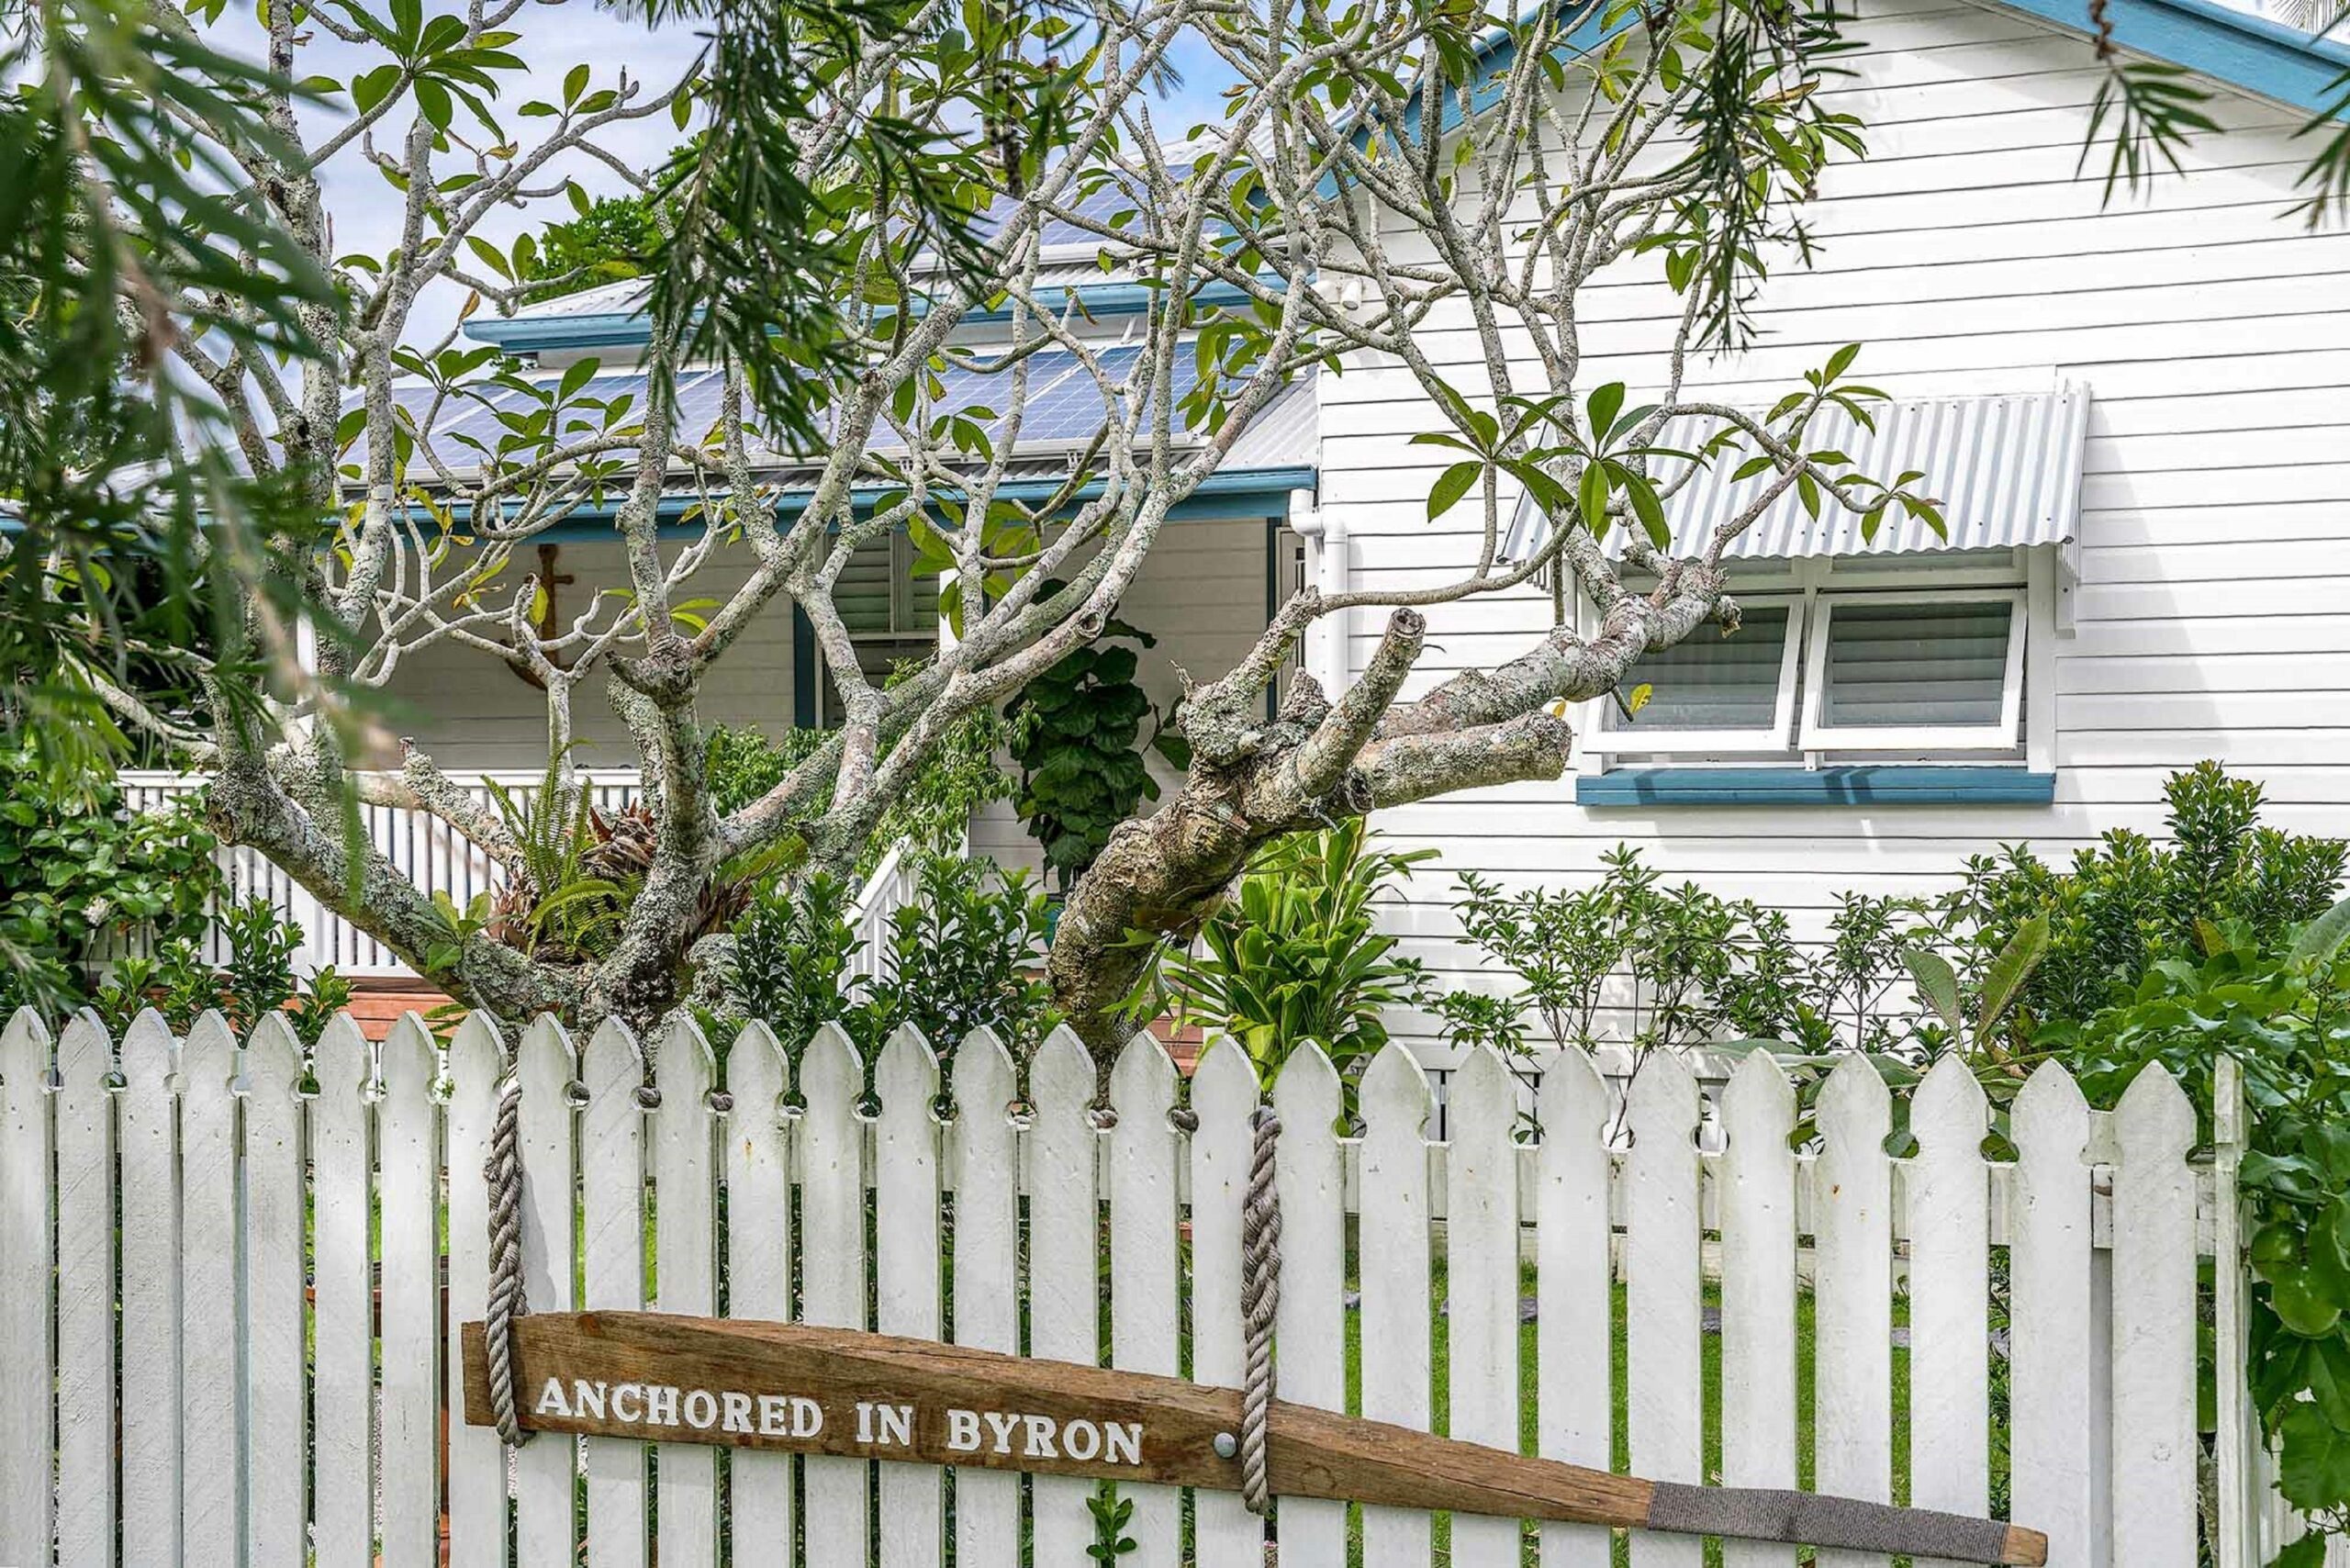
x,y
1297,955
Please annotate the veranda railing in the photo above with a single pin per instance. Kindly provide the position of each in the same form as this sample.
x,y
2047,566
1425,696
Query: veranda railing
x,y
287,1305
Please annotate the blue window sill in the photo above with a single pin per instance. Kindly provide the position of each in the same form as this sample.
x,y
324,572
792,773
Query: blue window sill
x,y
1915,785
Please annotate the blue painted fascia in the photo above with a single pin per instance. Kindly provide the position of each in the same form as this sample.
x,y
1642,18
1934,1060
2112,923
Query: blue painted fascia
x,y
1896,784
627,329
2252,52
1240,492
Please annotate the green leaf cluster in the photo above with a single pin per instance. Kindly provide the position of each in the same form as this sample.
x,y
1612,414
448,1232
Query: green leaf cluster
x,y
1076,733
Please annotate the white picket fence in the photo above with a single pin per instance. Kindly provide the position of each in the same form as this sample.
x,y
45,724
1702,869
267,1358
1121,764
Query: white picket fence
x,y
262,1211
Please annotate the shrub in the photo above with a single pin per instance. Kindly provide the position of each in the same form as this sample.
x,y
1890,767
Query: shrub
x,y
83,878
2128,903
1297,956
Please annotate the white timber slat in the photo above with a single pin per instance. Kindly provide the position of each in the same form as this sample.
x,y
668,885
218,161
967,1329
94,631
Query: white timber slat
x,y
1758,1229
1663,1402
476,1459
983,1150
832,1236
1947,1195
2050,1413
1393,1252
759,1279
905,1273
85,1298
611,1246
275,1338
342,1319
28,1505
1224,1099
1143,1308
1574,1333
211,1441
546,1519
1481,1284
407,1155
1310,1327
2154,1444
1064,1267
1852,1291
685,1250
150,1297
2238,1437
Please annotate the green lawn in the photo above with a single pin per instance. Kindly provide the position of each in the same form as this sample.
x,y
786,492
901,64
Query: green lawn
x,y
1711,1351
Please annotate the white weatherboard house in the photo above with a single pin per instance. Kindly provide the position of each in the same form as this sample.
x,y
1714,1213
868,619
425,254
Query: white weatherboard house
x,y
2138,414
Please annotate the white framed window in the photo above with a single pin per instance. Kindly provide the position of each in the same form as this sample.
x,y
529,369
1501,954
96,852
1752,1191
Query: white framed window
x,y
891,615
1931,671
1714,691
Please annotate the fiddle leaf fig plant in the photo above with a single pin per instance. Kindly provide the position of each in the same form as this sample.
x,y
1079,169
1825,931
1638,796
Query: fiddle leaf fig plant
x,y
1077,735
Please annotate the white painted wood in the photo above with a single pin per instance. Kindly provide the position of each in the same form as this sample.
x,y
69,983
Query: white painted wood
x,y
1310,1329
2154,1444
611,1243
546,1530
275,1337
1222,1146
2051,1417
981,1148
28,1504
478,1503
211,1443
1663,1400
343,1315
1852,1326
2237,1444
1064,1224
1392,1257
1574,1333
758,1168
408,1161
682,1155
832,1173
148,1131
905,1273
1758,1292
1947,1194
1481,1284
1142,1256
85,1298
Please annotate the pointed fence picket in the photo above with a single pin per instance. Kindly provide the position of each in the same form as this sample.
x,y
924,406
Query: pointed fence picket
x,y
274,1245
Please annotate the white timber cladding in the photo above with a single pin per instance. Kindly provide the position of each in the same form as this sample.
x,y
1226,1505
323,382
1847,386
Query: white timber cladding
x,y
863,1177
1202,594
2205,617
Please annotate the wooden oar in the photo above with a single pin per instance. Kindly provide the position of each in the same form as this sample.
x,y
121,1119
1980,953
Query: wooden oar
x,y
798,1389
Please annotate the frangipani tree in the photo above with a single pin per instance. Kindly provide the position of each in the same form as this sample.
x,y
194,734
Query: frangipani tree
x,y
874,178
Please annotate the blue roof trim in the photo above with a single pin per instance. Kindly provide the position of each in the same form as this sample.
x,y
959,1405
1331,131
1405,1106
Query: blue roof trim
x,y
2243,51
1876,784
627,329
1239,492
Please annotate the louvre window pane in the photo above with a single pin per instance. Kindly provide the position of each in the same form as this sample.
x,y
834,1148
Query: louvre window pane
x,y
861,593
1910,665
1710,680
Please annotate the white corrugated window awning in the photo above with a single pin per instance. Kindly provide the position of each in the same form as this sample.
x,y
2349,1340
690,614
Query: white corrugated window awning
x,y
2007,469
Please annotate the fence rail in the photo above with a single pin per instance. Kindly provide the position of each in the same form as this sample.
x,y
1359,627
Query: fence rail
x,y
271,1200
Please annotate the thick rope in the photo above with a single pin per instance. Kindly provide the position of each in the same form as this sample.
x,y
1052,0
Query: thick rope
x,y
506,1303
1260,1298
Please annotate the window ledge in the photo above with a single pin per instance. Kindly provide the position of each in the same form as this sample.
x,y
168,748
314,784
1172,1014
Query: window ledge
x,y
1914,785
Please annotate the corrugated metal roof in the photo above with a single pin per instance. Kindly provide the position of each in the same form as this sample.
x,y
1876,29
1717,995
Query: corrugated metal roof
x,y
2007,469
